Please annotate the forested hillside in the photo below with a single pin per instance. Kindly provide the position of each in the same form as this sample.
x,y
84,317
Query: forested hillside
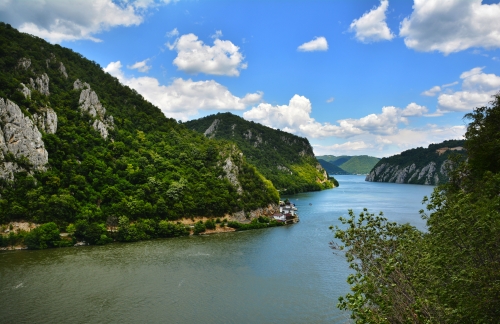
x,y
358,164
285,159
76,146
449,273
419,165
331,168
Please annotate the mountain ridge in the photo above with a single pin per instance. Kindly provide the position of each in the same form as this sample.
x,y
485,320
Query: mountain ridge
x,y
352,164
285,159
79,147
420,165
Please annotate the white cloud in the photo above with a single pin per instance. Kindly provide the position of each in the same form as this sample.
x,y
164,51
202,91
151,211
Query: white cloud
x,y
317,44
296,118
252,98
193,56
330,100
58,21
386,133
140,66
183,98
386,145
450,84
218,34
343,148
432,91
477,90
372,27
173,33
451,26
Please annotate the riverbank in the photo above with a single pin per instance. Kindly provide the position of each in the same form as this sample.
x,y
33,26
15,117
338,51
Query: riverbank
x,y
24,235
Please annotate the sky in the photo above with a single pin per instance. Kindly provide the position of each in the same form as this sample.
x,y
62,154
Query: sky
x,y
372,77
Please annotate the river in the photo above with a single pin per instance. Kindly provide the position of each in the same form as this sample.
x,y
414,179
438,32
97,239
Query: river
x,y
276,275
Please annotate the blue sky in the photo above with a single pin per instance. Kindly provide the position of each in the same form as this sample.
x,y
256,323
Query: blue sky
x,y
354,77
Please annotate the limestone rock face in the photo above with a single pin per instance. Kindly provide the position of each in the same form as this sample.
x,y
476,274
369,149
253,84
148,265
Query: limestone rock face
x,y
78,85
20,137
210,130
24,63
46,120
25,91
231,170
41,84
430,174
90,104
62,69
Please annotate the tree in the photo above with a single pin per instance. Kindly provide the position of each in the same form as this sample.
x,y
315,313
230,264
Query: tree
x,y
43,237
451,272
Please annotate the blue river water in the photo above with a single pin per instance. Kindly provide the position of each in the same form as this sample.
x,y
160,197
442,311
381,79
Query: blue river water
x,y
276,275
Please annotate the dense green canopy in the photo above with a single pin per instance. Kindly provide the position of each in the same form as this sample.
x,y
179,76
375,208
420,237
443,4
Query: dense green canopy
x,y
150,167
451,272
285,159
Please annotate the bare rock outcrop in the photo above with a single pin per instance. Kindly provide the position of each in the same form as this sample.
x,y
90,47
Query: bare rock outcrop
x,y
25,91
20,137
231,171
41,84
24,63
90,104
62,69
46,120
429,174
211,130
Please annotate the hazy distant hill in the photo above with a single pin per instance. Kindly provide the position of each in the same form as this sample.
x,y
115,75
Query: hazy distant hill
x,y
359,164
331,168
419,165
285,159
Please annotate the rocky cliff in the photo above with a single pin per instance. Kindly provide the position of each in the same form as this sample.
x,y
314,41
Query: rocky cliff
x,y
428,166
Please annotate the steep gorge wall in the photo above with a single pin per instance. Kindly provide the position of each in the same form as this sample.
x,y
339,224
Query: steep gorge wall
x,y
429,174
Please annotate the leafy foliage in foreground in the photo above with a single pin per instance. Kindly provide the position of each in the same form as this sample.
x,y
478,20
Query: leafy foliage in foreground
x,y
449,274
150,167
285,159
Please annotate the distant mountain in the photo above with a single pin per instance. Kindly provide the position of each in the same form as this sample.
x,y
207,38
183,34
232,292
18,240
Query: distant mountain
x,y
332,168
419,165
285,159
358,164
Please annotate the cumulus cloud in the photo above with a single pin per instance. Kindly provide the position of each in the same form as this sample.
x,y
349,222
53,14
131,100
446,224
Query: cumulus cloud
x,y
140,66
372,27
296,118
330,100
58,21
317,44
432,91
183,98
451,26
193,56
477,90
390,144
388,132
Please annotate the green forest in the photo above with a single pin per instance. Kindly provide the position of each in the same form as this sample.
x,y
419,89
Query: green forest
x,y
285,159
359,164
449,273
149,172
